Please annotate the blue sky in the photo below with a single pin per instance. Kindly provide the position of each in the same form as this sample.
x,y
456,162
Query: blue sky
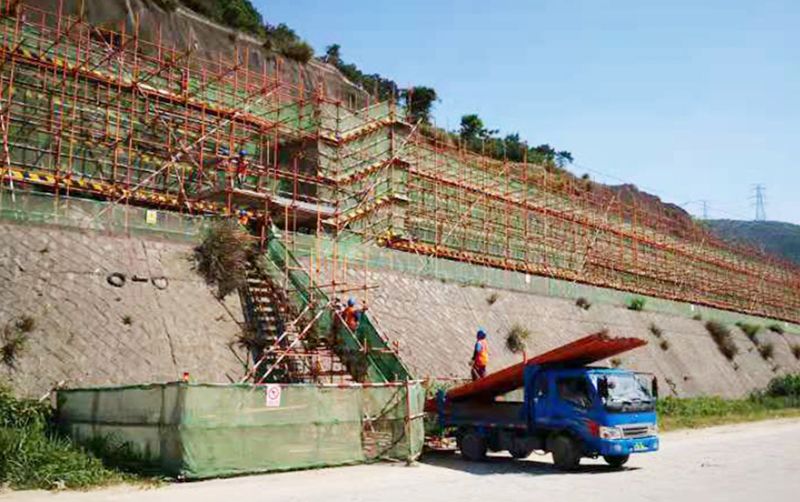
x,y
689,100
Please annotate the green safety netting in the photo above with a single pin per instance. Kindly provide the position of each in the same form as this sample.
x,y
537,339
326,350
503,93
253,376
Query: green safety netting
x,y
202,431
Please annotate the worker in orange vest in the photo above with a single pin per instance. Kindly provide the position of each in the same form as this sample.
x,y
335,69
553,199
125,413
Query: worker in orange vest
x,y
352,314
480,356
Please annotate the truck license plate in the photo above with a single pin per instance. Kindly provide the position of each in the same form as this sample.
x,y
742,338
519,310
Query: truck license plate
x,y
639,447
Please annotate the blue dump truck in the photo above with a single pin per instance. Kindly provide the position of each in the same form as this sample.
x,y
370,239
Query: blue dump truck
x,y
568,408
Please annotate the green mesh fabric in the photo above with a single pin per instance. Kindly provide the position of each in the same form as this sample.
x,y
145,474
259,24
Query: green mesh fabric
x,y
203,431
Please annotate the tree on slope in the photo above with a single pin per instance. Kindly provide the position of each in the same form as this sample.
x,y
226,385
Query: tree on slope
x,y
419,103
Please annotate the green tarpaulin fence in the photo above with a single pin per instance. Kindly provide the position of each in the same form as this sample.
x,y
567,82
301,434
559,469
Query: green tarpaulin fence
x,y
202,431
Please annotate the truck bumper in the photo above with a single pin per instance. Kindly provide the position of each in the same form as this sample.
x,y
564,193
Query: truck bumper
x,y
628,446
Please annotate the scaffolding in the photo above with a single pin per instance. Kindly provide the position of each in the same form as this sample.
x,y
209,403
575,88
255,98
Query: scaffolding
x,y
106,114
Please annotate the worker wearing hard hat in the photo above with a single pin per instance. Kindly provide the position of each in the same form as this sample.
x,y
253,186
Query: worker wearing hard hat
x,y
480,356
352,314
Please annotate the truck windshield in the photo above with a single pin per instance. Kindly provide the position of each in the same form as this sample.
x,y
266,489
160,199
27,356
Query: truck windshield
x,y
626,394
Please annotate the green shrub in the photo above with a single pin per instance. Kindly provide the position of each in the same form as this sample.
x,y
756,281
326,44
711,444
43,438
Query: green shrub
x,y
776,328
723,338
664,345
796,351
583,303
698,317
616,362
299,51
784,386
492,298
636,304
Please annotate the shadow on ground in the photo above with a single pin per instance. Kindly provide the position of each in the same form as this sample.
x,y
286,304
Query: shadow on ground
x,y
535,465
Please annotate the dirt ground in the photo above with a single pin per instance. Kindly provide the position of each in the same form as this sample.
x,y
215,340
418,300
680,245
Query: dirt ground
x,y
747,462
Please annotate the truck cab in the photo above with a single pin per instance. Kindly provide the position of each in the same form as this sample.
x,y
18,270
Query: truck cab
x,y
570,411
590,412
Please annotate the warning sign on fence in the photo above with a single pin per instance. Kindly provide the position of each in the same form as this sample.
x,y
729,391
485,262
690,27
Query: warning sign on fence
x,y
273,395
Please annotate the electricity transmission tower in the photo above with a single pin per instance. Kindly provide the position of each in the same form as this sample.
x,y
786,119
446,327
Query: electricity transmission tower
x,y
760,198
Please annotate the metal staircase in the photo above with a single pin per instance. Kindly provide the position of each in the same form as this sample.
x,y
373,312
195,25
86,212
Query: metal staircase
x,y
304,338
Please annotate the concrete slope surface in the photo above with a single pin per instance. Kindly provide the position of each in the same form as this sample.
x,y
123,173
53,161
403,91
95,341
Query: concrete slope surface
x,y
88,332
435,324
757,461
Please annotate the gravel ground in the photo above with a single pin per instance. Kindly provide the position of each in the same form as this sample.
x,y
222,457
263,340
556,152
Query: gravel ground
x,y
748,462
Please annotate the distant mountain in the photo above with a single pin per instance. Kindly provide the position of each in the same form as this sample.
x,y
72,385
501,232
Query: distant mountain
x,y
775,237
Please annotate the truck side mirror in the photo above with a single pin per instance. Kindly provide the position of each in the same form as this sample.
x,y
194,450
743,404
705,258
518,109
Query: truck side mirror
x,y
602,387
655,387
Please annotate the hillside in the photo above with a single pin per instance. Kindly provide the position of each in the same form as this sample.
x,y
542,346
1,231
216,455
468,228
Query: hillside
x,y
776,237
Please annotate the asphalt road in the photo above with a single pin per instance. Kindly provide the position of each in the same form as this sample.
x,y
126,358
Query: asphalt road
x,y
757,462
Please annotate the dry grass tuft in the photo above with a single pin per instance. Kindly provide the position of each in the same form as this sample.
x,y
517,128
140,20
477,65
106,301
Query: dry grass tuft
x,y
656,331
767,350
516,339
221,259
723,338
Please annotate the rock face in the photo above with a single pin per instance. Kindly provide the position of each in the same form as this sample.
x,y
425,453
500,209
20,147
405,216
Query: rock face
x,y
88,332
182,29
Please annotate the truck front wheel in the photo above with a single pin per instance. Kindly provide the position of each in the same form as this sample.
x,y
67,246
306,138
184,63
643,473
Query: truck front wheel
x,y
566,453
473,447
616,461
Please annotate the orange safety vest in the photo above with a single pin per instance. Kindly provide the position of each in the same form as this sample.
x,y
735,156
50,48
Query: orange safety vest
x,y
351,317
481,353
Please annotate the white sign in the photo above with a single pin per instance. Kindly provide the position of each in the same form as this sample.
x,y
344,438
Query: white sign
x,y
273,395
151,217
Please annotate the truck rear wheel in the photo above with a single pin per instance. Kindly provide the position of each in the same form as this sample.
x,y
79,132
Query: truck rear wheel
x,y
616,461
473,447
566,453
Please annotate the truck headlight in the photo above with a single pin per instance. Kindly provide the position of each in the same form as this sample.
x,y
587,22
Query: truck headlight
x,y
610,433
652,430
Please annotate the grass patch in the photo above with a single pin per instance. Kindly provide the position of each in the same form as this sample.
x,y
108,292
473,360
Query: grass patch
x,y
767,350
35,455
583,303
776,328
695,413
636,304
698,317
749,329
517,338
492,298
780,399
723,338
